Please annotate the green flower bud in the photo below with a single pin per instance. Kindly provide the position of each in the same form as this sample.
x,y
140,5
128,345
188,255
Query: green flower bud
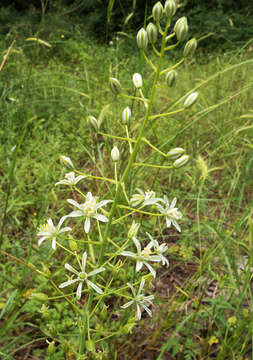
x,y
46,270
137,80
73,245
93,123
126,114
115,86
181,28
133,230
142,39
171,77
152,33
191,99
51,348
170,8
190,47
115,154
157,11
90,346
175,153
181,161
40,296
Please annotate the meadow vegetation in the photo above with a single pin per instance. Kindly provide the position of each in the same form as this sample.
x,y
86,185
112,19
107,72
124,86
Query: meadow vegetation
x,y
203,299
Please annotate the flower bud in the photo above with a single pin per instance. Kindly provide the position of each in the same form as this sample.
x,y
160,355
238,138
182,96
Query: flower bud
x,y
115,154
157,11
92,122
51,348
181,161
137,80
73,245
126,114
133,230
46,270
191,99
40,296
181,28
65,160
115,86
170,8
152,33
190,47
171,77
142,39
175,153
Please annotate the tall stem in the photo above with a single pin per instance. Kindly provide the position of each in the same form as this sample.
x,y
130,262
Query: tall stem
x,y
136,147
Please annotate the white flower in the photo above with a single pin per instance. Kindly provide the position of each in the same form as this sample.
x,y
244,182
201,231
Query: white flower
x,y
50,232
143,256
159,250
88,210
140,300
172,214
144,198
81,277
70,179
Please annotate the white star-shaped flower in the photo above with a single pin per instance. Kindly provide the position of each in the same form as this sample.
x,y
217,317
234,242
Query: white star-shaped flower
x,y
140,300
70,179
159,250
172,214
82,277
89,210
50,232
143,256
144,198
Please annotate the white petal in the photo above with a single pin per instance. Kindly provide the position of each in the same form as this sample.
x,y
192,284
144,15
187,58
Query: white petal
x,y
139,265
137,244
128,253
40,241
87,225
79,291
80,177
95,287
96,271
67,228
150,269
103,203
75,213
63,182
61,221
173,203
54,243
100,217
74,203
141,285
168,222
138,311
70,268
132,289
50,223
84,258
129,303
176,225
67,283
147,310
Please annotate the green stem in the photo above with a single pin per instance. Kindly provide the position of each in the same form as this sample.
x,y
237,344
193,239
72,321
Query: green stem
x,y
135,149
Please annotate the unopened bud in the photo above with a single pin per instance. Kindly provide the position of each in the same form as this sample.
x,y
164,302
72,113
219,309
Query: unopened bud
x,y
152,33
46,270
142,39
73,245
40,296
175,153
190,47
137,80
115,86
181,161
115,154
126,114
157,11
170,8
181,28
65,160
171,77
191,99
90,346
92,122
51,348
133,230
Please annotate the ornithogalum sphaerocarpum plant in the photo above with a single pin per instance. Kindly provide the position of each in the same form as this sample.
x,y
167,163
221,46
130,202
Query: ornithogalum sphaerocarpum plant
x,y
108,273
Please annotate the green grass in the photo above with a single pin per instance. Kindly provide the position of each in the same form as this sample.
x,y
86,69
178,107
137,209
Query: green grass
x,y
203,306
